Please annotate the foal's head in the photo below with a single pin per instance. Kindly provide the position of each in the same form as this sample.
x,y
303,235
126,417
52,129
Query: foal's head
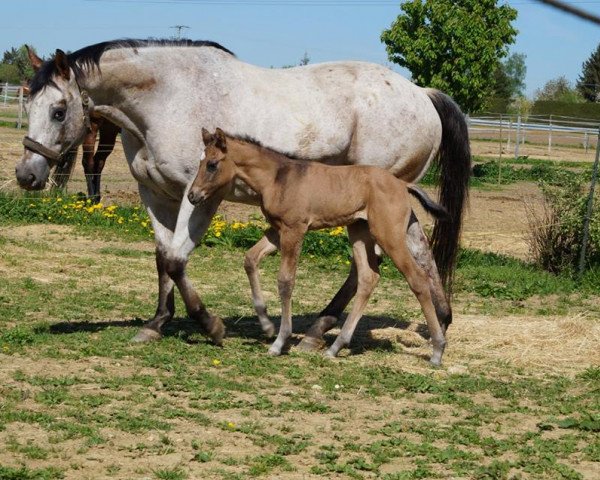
x,y
215,172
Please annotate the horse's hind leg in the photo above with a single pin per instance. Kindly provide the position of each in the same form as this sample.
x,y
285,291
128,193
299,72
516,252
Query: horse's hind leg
x,y
411,254
313,339
266,245
418,246
87,159
106,144
367,269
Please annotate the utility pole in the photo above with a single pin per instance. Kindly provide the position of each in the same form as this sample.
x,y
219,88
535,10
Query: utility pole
x,y
179,28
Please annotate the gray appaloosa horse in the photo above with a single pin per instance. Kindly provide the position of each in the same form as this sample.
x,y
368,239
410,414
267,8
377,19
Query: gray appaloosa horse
x,y
161,93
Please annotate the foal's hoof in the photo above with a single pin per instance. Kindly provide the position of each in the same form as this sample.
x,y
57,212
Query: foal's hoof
x,y
216,331
330,354
146,335
311,344
274,352
269,330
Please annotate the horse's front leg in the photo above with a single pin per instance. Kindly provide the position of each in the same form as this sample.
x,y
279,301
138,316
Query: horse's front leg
x,y
266,245
162,214
290,245
192,223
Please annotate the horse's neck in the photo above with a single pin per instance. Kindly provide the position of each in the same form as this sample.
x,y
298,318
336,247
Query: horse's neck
x,y
255,165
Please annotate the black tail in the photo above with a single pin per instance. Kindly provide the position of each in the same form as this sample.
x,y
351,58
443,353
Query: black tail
x,y
429,205
454,163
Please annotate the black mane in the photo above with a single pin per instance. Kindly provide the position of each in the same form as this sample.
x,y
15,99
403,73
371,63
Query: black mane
x,y
89,57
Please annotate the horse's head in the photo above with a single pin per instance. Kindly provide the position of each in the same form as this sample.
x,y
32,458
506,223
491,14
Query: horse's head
x,y
216,171
58,119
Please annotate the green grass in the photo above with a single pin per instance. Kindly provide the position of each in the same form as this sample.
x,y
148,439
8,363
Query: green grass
x,y
73,387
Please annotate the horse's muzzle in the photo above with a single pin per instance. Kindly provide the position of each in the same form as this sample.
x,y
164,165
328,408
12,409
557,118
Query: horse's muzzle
x,y
196,196
32,176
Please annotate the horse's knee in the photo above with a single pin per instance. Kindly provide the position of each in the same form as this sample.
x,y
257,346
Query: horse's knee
x,y
367,280
285,285
175,267
249,263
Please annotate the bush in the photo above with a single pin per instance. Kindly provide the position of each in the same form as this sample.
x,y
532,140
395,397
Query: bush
x,y
556,233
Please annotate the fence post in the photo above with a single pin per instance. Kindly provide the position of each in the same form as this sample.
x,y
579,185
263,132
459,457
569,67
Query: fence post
x,y
517,137
509,129
20,119
5,93
550,137
588,214
585,141
500,156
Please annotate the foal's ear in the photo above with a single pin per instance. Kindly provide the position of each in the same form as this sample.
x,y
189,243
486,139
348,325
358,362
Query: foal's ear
x,y
221,140
206,136
34,60
62,64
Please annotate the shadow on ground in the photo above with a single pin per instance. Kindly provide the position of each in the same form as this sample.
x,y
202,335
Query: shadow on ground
x,y
248,329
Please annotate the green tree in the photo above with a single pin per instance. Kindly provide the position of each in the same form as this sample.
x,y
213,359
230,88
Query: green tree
x,y
9,73
558,90
452,45
588,83
18,61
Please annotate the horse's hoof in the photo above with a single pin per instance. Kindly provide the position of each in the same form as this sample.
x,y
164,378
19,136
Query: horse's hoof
x,y
330,354
311,344
146,335
217,331
274,352
268,330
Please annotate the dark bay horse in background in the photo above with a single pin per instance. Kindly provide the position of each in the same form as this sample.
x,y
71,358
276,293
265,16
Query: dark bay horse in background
x,y
162,92
92,159
297,196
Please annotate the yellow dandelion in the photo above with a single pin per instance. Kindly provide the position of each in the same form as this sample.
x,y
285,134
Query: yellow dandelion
x,y
231,424
216,362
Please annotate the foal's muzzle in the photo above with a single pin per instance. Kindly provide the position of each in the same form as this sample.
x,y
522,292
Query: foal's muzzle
x,y
196,196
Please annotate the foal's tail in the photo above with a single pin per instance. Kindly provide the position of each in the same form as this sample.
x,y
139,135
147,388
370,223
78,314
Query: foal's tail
x,y
429,205
454,163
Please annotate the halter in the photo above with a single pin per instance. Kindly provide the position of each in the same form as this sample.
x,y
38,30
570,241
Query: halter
x,y
59,157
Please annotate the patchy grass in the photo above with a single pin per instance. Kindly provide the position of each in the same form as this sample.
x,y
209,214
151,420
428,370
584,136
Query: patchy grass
x,y
517,396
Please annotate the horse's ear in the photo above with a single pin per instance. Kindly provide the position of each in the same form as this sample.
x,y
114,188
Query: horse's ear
x,y
62,64
206,136
221,142
34,60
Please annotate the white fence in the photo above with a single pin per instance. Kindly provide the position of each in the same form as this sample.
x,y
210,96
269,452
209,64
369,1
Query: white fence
x,y
12,100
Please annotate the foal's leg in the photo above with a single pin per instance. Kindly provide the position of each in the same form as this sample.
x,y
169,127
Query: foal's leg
x,y
419,248
266,245
367,268
290,244
396,246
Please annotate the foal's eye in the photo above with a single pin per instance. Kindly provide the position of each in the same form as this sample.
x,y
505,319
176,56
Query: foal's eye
x,y
59,114
211,166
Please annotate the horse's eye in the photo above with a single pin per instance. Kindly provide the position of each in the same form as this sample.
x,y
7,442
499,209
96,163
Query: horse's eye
x,y
59,114
211,166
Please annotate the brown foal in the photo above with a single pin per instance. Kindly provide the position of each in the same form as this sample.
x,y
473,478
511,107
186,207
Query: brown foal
x,y
298,196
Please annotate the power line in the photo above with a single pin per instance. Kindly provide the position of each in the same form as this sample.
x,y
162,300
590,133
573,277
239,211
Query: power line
x,y
569,8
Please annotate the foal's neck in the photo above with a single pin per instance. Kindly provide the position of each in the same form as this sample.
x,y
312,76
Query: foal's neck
x,y
256,165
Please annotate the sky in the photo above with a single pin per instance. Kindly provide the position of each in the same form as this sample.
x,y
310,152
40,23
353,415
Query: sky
x,y
273,33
